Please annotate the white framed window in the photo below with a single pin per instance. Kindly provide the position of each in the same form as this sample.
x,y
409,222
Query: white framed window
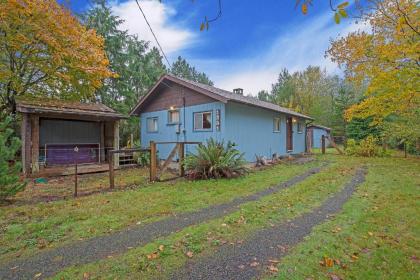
x,y
173,116
203,120
299,127
276,124
152,124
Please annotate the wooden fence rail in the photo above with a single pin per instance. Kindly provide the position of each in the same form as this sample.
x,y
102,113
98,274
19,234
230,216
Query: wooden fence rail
x,y
111,161
155,171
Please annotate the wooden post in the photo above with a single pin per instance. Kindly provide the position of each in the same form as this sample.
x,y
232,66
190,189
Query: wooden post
x,y
75,180
153,161
323,144
76,150
35,143
181,149
26,144
111,169
116,144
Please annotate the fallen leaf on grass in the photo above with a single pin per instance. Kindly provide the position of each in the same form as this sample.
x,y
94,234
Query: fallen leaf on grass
x,y
336,230
272,268
153,256
328,262
274,261
161,247
354,256
37,275
189,254
86,276
370,233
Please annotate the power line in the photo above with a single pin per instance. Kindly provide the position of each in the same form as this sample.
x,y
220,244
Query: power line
x,y
151,30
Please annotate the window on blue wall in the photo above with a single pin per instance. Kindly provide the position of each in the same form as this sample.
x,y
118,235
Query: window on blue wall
x,y
202,121
300,127
173,116
152,124
276,125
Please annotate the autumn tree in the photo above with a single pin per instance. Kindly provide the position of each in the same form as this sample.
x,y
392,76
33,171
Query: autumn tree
x,y
386,58
44,50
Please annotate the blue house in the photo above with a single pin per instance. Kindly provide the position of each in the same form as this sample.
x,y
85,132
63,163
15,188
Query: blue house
x,y
177,109
315,133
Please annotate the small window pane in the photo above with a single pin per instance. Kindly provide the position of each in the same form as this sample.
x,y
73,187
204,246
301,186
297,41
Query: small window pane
x,y
206,120
276,124
202,121
173,116
300,127
152,125
198,121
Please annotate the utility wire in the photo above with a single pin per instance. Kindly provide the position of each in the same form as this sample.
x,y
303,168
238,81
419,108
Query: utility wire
x,y
151,30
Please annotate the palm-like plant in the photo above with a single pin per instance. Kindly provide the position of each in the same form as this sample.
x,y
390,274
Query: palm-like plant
x,y
215,160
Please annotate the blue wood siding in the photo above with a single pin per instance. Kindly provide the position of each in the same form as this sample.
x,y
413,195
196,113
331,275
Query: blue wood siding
x,y
252,129
168,132
317,135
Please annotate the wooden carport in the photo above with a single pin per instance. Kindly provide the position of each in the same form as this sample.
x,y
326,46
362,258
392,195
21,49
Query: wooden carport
x,y
52,131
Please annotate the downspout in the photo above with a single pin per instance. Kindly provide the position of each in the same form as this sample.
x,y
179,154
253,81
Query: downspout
x,y
306,134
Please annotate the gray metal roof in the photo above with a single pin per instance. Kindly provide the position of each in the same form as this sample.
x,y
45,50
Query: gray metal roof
x,y
320,126
230,96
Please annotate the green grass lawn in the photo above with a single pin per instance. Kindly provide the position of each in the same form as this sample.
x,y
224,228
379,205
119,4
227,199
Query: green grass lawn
x,y
375,237
27,229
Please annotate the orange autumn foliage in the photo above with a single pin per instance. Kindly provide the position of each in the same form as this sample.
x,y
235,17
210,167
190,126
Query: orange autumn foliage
x,y
45,50
386,58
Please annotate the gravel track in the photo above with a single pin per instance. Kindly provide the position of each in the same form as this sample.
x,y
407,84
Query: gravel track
x,y
82,252
249,259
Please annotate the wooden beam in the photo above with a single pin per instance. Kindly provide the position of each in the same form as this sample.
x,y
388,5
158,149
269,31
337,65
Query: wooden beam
x,y
181,154
116,143
26,144
323,144
102,148
153,162
35,143
335,145
111,170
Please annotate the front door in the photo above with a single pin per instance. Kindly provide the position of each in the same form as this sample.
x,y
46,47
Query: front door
x,y
289,134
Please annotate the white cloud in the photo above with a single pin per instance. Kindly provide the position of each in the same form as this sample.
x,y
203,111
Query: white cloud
x,y
301,46
172,38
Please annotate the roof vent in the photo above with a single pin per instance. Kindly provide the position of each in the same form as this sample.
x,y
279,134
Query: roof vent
x,y
238,91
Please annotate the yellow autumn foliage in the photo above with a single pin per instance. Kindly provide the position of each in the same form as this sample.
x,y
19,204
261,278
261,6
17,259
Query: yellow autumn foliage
x,y
386,59
45,50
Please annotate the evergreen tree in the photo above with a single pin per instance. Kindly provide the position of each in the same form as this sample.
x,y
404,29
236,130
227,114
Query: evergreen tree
x,y
10,183
183,69
137,65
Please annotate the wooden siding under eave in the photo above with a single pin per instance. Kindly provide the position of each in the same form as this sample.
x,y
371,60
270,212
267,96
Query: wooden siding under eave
x,y
166,97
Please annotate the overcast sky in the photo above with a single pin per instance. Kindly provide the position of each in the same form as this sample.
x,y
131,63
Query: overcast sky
x,y
247,47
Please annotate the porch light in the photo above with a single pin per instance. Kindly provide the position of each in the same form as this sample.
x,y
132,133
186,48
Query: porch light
x,y
171,108
294,120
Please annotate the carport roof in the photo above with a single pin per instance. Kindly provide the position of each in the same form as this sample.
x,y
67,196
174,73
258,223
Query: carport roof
x,y
67,108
